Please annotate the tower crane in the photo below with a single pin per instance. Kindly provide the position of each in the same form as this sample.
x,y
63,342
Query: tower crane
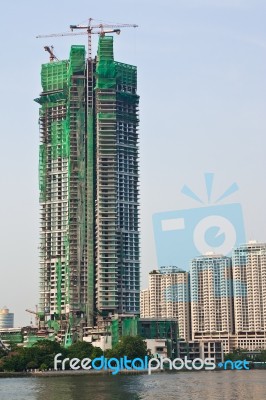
x,y
51,52
89,29
36,315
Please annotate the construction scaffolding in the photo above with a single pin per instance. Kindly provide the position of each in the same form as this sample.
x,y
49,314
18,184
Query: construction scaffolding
x,y
88,182
63,192
117,230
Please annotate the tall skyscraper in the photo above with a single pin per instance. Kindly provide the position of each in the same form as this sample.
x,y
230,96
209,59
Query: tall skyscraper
x,y
168,297
212,299
249,276
88,178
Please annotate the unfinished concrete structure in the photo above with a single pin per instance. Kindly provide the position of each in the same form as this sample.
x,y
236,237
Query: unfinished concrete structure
x,y
88,178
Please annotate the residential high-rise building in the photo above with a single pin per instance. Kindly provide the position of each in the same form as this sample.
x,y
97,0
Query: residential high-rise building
x,y
156,295
88,178
145,303
212,299
249,277
168,297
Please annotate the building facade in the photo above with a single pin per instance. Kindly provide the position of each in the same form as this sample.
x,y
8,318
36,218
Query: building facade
x,y
168,296
249,276
160,335
212,315
145,303
6,319
88,180
201,349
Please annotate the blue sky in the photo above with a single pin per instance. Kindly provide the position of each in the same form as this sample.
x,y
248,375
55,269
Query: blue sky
x,y
202,82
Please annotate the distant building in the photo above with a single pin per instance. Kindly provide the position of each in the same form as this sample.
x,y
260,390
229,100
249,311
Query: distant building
x,y
6,319
160,335
169,269
201,349
145,303
168,297
249,277
212,299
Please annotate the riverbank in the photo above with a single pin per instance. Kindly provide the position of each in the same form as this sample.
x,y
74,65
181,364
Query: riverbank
x,y
42,374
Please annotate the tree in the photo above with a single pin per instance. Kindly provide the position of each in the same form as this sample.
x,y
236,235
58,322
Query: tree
x,y
14,362
32,365
43,351
96,352
43,367
3,352
80,350
47,346
130,346
237,354
261,357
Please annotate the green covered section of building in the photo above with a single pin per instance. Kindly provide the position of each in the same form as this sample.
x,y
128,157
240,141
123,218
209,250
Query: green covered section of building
x,y
147,328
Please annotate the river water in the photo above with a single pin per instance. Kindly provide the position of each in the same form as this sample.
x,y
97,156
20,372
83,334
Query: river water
x,y
211,385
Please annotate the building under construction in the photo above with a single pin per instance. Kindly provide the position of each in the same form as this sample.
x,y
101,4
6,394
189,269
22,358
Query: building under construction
x,y
88,183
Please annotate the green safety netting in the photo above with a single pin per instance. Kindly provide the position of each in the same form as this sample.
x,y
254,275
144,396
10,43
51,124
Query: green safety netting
x,y
105,69
106,115
58,271
54,75
126,74
157,329
54,325
76,60
60,138
115,332
51,98
130,327
42,171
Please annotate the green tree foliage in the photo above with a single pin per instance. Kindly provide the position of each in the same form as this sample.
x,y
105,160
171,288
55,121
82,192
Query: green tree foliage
x,y
130,346
240,354
42,354
43,367
14,361
80,350
97,352
237,354
2,352
32,365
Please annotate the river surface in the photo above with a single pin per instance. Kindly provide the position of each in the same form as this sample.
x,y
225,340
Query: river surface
x,y
211,385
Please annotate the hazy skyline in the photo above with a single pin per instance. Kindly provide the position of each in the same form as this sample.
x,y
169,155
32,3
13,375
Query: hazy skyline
x,y
202,86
